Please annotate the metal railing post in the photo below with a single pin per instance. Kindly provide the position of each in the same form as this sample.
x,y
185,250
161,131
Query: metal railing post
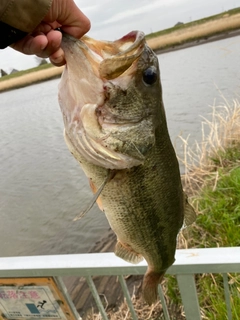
x,y
96,297
189,296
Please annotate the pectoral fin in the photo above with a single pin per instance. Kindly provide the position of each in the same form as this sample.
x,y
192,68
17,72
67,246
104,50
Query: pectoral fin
x,y
125,252
189,213
109,176
94,190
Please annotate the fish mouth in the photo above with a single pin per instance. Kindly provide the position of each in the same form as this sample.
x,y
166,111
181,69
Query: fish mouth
x,y
111,59
92,66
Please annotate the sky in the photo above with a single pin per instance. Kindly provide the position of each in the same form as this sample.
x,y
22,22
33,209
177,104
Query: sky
x,y
112,19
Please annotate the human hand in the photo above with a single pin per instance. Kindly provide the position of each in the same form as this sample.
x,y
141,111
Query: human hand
x,y
45,41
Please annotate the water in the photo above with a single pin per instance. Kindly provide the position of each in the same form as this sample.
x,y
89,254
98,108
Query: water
x,y
42,188
194,79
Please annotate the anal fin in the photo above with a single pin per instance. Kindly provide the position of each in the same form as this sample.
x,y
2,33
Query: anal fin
x,y
125,252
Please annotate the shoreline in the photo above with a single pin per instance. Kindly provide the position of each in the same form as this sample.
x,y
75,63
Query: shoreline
x,y
189,44
31,78
194,34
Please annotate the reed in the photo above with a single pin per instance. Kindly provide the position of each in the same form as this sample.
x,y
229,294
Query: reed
x,y
220,139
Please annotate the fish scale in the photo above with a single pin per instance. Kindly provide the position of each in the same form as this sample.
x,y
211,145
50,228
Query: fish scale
x,y
121,141
145,205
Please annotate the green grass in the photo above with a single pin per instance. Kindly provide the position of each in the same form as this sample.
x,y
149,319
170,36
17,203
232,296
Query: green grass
x,y
193,23
217,225
211,296
23,72
230,156
220,211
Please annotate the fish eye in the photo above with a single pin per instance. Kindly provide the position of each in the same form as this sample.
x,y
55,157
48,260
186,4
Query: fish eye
x,y
150,75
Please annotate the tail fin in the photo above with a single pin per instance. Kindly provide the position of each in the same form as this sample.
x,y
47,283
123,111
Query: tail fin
x,y
151,281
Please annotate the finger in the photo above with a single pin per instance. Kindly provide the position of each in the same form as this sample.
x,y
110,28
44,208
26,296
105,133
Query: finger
x,y
57,58
35,42
44,27
54,39
31,45
71,18
41,45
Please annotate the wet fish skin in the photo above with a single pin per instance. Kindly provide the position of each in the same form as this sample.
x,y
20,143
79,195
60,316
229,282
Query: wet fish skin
x,y
144,201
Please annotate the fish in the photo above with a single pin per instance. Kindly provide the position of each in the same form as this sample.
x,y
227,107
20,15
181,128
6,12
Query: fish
x,y
110,96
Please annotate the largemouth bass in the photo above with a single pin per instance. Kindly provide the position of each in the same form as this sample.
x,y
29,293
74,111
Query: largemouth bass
x,y
115,126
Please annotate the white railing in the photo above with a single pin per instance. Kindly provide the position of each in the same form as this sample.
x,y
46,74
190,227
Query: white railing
x,y
188,263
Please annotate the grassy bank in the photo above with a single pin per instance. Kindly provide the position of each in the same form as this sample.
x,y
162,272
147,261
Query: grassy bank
x,y
196,32
25,72
191,24
212,180
27,77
